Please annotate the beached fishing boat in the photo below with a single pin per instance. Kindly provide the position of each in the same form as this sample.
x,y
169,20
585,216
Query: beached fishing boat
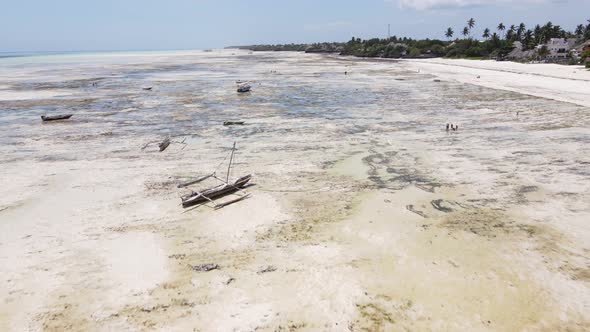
x,y
224,189
56,117
233,123
215,192
242,88
164,144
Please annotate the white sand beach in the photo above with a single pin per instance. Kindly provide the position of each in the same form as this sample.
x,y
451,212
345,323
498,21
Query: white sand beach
x,y
365,213
564,83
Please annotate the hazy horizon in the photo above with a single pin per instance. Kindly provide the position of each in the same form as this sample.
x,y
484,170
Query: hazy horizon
x,y
133,25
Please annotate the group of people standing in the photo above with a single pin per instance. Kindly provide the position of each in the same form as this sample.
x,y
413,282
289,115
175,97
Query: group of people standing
x,y
452,127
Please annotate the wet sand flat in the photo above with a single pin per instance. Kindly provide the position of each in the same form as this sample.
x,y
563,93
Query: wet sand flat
x,y
366,215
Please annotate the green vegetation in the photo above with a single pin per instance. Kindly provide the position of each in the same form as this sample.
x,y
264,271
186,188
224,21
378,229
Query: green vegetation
x,y
277,48
309,48
501,43
495,45
394,48
493,48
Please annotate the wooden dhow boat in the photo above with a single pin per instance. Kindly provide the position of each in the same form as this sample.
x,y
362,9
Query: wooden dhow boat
x,y
56,117
244,87
211,194
233,123
225,188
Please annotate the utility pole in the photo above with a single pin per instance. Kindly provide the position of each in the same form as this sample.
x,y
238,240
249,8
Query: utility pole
x,y
388,31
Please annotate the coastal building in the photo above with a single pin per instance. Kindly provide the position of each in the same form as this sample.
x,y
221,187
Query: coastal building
x,y
559,48
580,49
518,53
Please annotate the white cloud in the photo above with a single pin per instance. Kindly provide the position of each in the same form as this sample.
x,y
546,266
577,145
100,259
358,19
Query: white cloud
x,y
428,4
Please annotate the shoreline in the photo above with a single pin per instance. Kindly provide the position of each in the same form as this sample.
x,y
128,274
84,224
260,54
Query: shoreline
x,y
569,84
520,78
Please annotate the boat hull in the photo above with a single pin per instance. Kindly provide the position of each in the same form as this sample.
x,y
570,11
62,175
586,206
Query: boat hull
x,y
56,117
244,88
233,123
216,192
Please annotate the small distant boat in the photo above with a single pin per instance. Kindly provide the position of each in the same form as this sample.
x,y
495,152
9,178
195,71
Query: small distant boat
x,y
164,145
242,88
56,117
233,123
148,89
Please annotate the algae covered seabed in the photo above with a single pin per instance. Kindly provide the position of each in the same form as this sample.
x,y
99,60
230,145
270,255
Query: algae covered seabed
x,y
365,215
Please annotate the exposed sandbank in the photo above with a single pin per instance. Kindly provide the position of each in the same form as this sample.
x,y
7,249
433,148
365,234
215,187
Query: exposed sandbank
x,y
366,214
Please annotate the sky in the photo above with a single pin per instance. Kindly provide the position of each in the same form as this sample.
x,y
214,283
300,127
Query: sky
x,y
96,25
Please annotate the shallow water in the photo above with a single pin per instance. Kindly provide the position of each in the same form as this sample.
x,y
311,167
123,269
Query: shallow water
x,y
293,94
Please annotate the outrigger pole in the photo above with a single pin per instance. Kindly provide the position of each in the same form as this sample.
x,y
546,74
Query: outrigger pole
x,y
233,149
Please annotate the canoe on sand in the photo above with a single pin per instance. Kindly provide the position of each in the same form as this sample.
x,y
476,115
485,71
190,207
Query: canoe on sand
x,y
56,117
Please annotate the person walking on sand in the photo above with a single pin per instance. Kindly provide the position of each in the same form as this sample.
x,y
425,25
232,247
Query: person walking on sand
x,y
447,127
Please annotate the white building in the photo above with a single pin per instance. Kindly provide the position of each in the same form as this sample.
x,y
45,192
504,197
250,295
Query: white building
x,y
559,47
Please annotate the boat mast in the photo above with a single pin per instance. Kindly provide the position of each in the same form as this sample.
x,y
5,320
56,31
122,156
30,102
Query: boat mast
x,y
233,149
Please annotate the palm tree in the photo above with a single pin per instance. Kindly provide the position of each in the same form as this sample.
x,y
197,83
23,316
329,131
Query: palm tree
x,y
495,38
486,33
538,32
580,29
543,52
510,32
527,40
465,31
449,34
470,24
509,35
501,27
521,30
548,31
